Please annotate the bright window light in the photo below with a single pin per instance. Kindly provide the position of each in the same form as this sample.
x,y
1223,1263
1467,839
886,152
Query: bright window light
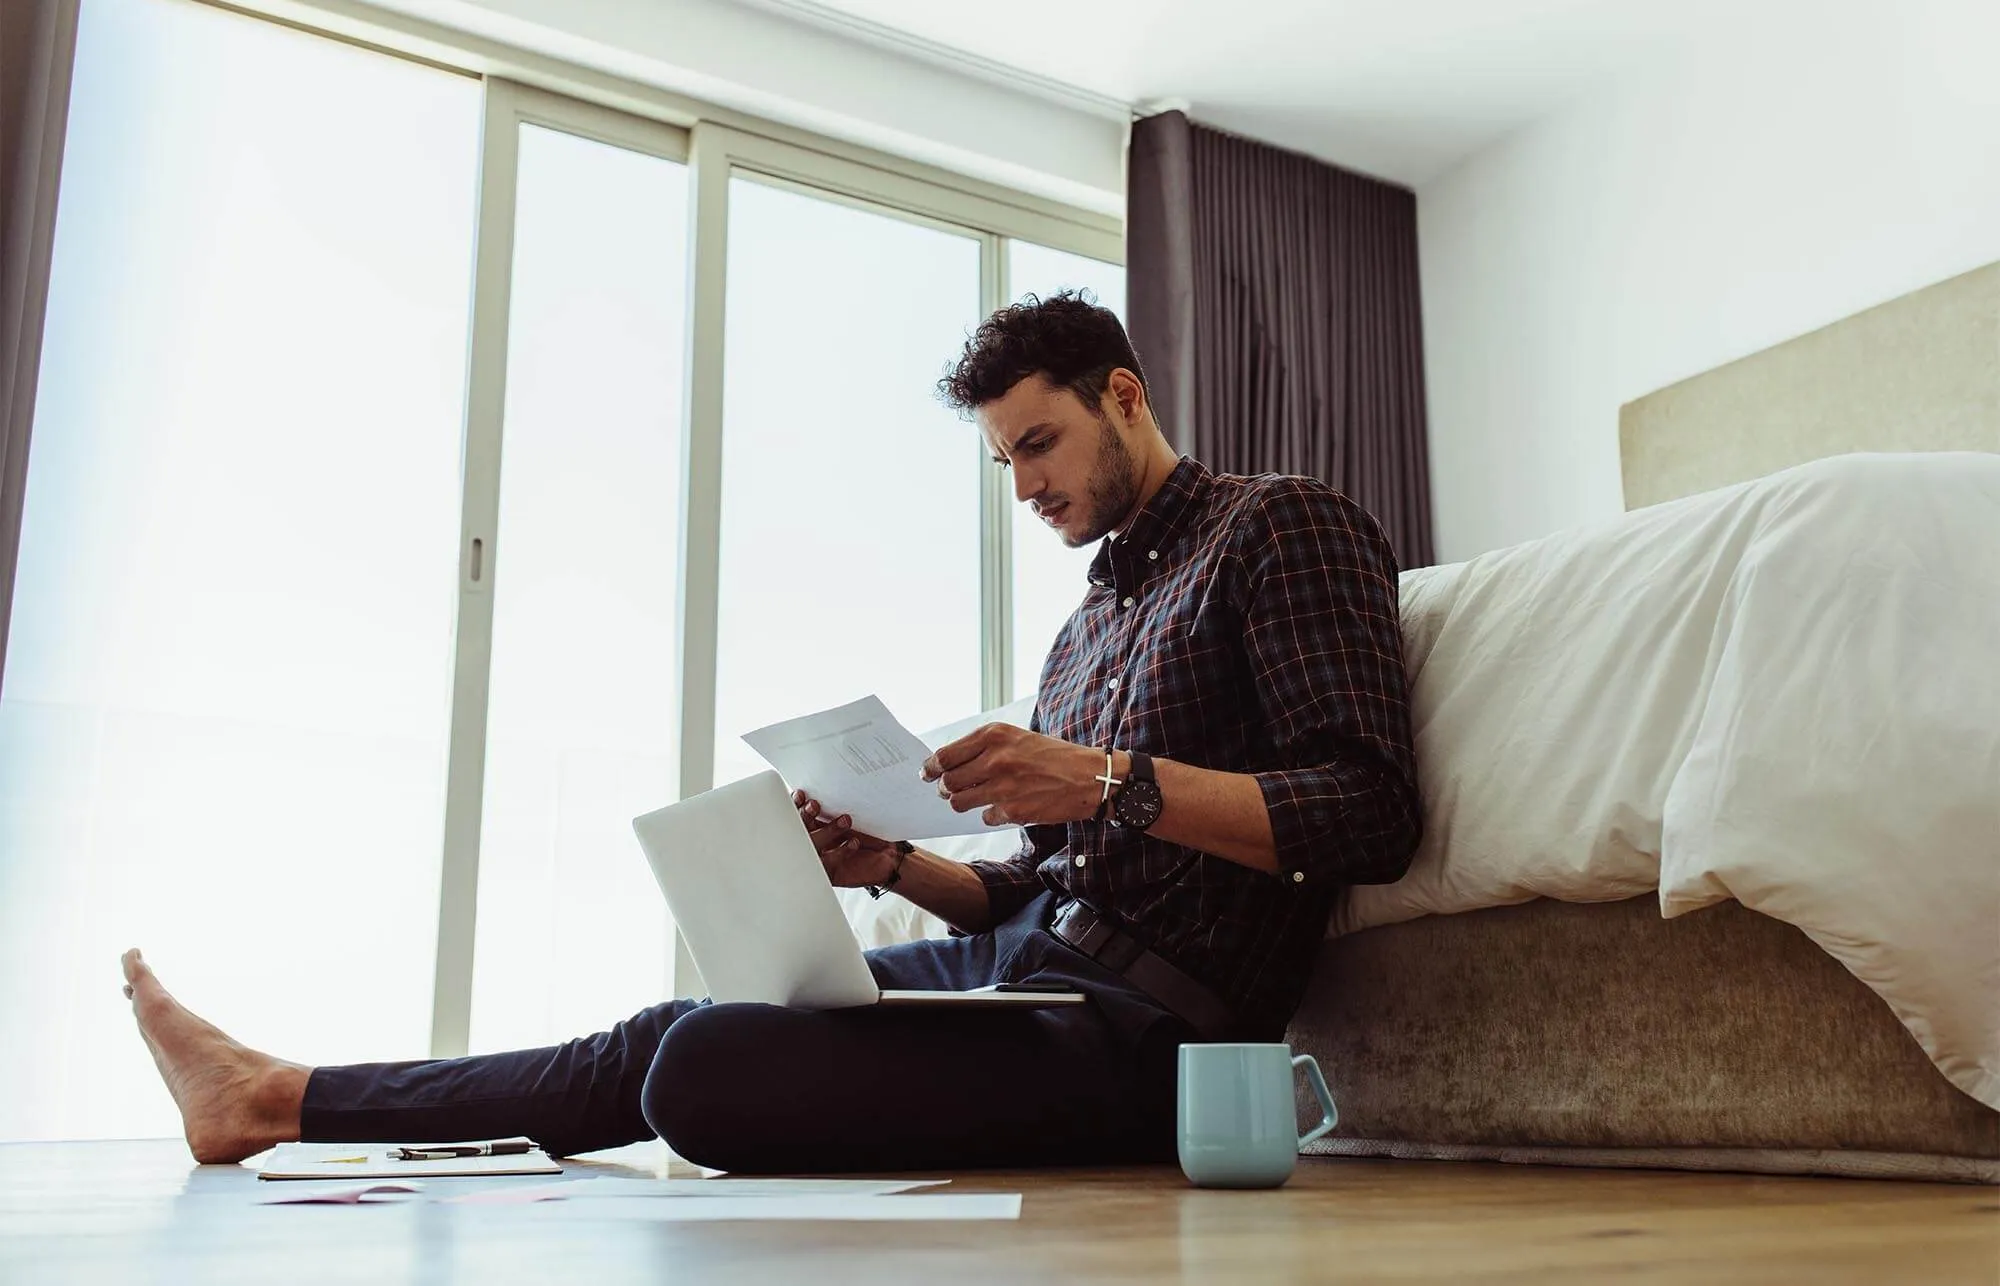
x,y
582,721
850,495
222,730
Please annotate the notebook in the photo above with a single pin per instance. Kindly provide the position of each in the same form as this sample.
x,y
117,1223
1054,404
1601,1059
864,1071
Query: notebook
x,y
372,1161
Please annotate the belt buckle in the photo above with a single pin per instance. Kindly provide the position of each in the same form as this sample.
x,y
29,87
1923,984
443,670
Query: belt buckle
x,y
1068,930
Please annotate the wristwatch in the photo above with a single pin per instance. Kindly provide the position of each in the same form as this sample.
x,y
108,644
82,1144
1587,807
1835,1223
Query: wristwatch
x,y
1137,805
903,849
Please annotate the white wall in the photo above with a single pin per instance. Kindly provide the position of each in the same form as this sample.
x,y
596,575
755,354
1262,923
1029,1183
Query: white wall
x,y
1825,158
755,61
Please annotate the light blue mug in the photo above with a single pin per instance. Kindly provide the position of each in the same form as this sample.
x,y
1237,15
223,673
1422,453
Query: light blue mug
x,y
1238,1122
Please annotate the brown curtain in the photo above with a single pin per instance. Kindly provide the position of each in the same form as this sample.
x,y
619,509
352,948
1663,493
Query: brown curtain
x,y
37,46
1275,304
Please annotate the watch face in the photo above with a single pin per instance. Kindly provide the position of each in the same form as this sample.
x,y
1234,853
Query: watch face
x,y
1138,804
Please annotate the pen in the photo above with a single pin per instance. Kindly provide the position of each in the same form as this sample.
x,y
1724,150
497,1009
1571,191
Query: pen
x,y
444,1152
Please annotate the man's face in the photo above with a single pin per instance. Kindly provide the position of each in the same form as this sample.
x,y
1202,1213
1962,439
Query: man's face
x,y
1070,466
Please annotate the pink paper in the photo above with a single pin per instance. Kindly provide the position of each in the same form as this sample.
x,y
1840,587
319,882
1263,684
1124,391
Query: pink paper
x,y
353,1196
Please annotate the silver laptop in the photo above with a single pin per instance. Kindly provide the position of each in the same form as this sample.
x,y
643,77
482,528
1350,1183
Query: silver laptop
x,y
751,898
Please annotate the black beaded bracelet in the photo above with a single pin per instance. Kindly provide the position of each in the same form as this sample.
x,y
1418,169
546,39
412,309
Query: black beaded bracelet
x,y
903,849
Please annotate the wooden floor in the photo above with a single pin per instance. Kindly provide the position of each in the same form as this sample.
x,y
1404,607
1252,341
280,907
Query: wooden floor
x,y
114,1212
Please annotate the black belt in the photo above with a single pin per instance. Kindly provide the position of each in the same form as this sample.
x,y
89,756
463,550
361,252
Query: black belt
x,y
1091,934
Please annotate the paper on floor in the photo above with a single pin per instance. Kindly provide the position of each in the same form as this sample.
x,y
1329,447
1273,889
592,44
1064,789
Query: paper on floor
x,y
705,1189
857,759
981,1205
353,1195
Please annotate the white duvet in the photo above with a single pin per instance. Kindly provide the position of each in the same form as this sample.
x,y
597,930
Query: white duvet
x,y
1786,692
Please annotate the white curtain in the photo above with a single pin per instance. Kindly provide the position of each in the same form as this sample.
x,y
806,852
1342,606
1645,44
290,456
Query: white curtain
x,y
37,47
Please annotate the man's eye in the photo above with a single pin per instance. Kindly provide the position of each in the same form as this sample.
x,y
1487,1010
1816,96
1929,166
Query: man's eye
x,y
1041,446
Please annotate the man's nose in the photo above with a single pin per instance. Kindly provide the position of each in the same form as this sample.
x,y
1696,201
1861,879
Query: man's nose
x,y
1026,485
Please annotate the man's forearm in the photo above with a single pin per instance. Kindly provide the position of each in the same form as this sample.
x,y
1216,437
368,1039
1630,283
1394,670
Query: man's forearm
x,y
1222,813
949,890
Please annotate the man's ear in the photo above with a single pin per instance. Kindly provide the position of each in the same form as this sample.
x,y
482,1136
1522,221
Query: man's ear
x,y
1128,393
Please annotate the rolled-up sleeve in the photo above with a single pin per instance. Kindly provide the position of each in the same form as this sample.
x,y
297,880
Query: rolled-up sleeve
x,y
1319,591
1013,882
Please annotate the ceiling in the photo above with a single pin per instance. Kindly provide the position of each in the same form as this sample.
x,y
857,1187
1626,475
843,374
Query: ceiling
x,y
1403,89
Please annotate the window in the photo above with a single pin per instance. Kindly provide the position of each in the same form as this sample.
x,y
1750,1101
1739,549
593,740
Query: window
x,y
1049,577
418,491
850,495
580,731
222,730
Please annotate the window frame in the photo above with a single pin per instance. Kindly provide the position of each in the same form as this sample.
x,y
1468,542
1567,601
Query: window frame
x,y
507,107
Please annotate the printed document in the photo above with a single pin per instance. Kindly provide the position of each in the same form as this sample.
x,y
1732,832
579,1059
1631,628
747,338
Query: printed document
x,y
857,759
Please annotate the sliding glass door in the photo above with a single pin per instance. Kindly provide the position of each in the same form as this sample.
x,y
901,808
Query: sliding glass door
x,y
428,476
222,731
581,711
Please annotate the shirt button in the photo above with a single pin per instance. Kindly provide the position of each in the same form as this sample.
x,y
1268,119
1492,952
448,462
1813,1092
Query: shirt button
x,y
1114,685
1298,877
1129,602
1079,859
1153,554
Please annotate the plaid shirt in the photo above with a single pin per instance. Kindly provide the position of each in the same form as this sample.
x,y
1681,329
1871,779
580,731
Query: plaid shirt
x,y
1247,625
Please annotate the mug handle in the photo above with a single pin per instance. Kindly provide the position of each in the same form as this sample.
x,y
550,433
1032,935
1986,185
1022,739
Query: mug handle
x,y
1331,1115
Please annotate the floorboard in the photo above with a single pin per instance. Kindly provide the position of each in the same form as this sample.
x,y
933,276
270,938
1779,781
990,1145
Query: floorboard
x,y
142,1211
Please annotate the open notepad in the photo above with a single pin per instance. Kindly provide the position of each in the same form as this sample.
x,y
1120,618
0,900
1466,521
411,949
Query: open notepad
x,y
372,1161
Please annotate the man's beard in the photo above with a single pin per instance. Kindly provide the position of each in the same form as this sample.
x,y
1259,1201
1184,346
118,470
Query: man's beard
x,y
1113,490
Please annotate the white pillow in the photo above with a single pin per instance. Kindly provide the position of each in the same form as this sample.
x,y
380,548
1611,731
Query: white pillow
x,y
1554,690
889,920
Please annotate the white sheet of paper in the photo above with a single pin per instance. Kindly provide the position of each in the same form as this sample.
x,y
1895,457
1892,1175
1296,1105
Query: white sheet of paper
x,y
857,759
980,1205
703,1189
352,1195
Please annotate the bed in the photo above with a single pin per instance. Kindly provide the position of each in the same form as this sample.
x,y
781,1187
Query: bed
x,y
1540,1032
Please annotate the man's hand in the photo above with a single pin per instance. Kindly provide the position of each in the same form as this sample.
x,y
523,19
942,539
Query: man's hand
x,y
1017,776
851,858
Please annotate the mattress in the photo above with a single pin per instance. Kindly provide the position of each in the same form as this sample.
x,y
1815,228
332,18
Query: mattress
x,y
1541,1033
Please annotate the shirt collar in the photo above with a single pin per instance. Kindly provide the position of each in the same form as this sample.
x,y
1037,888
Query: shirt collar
x,y
1151,530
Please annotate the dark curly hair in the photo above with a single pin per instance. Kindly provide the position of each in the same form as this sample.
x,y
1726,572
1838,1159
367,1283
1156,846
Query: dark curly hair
x,y
1069,338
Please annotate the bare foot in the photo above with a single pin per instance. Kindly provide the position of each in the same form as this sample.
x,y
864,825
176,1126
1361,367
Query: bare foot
x,y
234,1101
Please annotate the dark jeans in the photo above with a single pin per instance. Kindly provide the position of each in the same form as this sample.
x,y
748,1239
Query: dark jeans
x,y
763,1089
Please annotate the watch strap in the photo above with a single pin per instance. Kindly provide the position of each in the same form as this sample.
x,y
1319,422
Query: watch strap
x,y
1140,771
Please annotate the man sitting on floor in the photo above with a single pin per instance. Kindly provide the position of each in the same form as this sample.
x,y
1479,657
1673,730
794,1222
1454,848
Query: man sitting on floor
x,y
1221,741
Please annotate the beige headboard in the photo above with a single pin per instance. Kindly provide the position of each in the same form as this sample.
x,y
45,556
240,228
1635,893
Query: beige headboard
x,y
1919,373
